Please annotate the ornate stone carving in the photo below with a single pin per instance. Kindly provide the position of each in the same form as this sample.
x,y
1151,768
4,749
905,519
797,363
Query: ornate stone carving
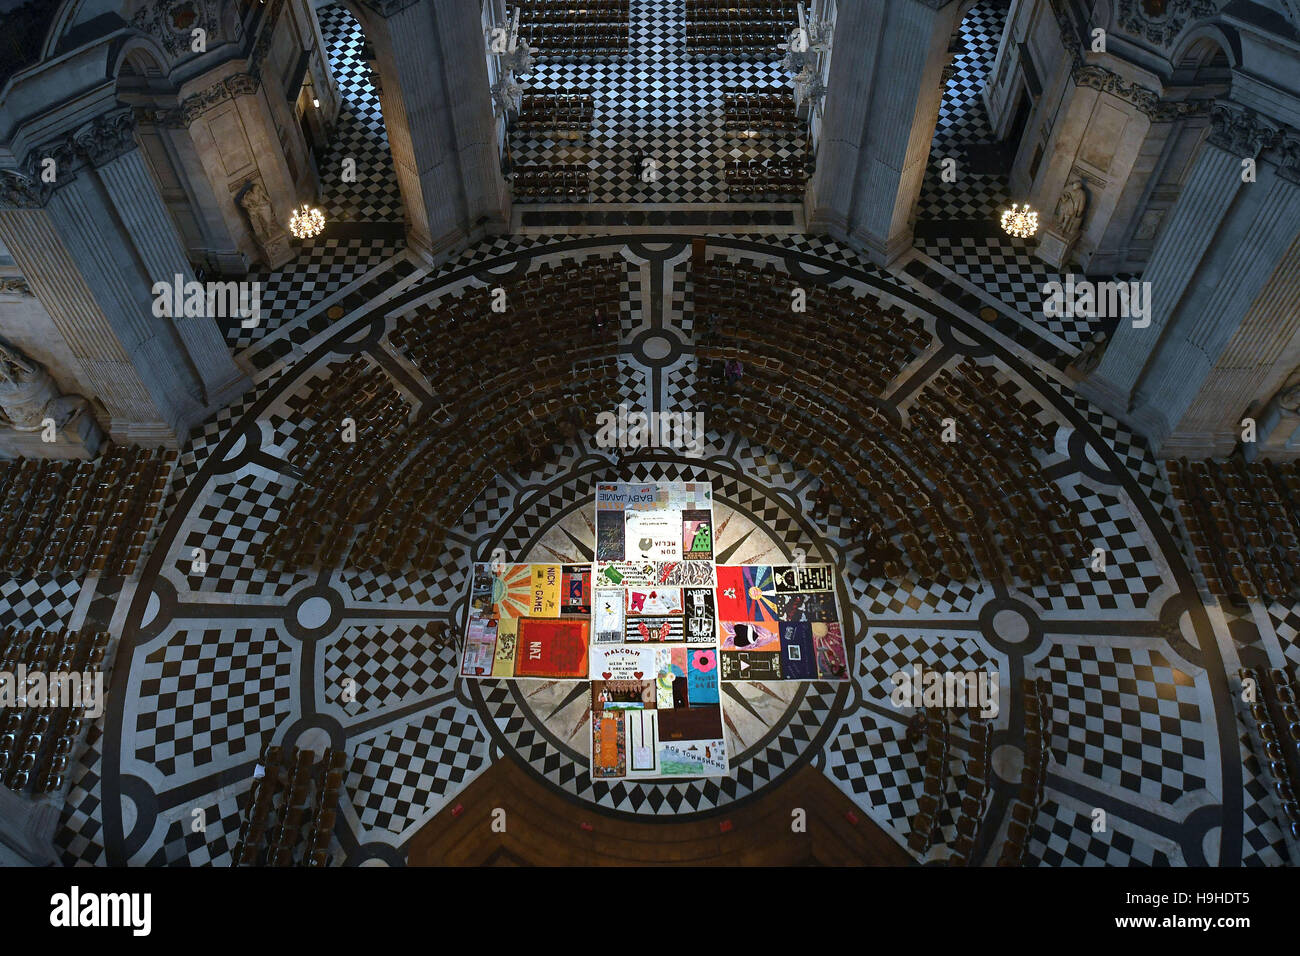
x,y
173,22
20,191
508,94
15,285
28,395
1148,101
1240,130
195,105
107,137
1288,400
103,139
1160,21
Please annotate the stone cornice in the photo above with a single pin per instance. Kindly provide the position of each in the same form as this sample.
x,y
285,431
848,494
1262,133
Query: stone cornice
x,y
195,105
1147,100
100,141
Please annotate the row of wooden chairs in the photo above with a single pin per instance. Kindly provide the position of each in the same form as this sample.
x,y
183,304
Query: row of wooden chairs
x,y
776,11
551,181
70,517
329,468
491,413
576,38
393,541
1244,524
974,798
730,27
925,822
292,809
570,301
905,490
556,112
39,740
1033,776
571,11
1280,747
748,177
743,111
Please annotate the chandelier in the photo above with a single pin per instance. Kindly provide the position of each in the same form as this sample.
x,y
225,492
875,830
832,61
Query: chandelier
x,y
306,222
1021,222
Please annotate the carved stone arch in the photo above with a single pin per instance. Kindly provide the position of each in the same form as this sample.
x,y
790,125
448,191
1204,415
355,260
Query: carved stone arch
x,y
1205,44
139,55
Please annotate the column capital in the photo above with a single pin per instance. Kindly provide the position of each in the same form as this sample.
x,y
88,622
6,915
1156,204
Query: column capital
x,y
21,190
1243,132
100,141
1240,130
107,136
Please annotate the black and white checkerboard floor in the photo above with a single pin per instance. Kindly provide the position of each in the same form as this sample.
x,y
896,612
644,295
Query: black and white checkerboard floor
x,y
358,180
966,188
221,669
656,102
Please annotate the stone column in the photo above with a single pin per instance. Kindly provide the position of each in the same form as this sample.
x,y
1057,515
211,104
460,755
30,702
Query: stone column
x,y
881,107
437,108
92,244
135,198
1215,258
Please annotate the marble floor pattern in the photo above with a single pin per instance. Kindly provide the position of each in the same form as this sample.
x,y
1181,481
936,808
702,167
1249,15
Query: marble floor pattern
x,y
1136,658
656,101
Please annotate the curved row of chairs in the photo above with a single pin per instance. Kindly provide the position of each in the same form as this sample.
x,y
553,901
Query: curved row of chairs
x,y
925,822
1033,776
80,517
811,390
1278,696
40,735
292,808
974,798
506,386
1244,524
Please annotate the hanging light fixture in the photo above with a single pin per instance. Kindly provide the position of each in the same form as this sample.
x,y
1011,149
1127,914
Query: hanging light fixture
x,y
306,222
1018,221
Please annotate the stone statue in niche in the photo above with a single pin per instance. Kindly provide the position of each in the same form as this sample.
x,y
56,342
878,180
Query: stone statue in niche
x,y
258,206
1070,208
29,401
1056,241
270,236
